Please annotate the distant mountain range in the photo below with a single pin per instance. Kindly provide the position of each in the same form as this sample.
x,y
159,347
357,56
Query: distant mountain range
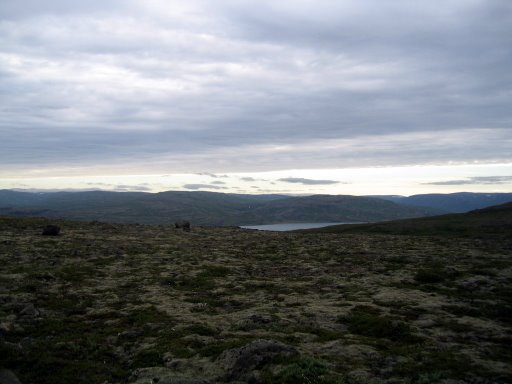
x,y
453,202
211,208
204,208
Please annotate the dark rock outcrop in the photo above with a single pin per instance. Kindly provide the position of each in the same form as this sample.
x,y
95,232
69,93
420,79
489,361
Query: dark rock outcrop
x,y
51,230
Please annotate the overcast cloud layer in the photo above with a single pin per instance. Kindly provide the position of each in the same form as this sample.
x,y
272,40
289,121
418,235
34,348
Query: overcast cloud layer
x,y
242,86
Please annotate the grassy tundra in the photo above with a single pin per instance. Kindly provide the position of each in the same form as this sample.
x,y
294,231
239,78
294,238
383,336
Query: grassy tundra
x,y
102,303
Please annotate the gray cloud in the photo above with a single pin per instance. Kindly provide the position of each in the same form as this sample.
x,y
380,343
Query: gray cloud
x,y
131,188
142,187
49,190
100,184
298,180
235,87
218,182
212,175
201,186
479,180
128,188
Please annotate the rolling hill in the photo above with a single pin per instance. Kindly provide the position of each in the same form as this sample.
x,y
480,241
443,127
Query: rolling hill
x,y
490,221
203,208
452,202
331,208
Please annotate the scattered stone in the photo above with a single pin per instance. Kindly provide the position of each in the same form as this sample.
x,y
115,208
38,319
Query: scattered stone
x,y
8,377
51,230
183,224
239,363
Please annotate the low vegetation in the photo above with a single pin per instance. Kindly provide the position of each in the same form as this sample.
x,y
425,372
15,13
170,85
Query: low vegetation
x,y
104,303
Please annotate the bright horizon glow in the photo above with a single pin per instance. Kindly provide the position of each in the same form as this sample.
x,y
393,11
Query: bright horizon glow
x,y
404,180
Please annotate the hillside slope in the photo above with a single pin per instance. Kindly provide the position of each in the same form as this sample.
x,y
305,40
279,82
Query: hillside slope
x,y
331,208
453,202
495,221
203,208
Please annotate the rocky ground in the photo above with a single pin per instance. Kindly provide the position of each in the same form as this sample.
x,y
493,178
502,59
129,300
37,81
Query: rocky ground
x,y
104,303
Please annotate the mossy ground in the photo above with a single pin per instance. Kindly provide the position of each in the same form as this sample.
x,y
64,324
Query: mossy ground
x,y
359,307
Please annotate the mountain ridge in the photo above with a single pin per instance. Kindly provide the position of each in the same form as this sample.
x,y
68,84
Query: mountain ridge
x,y
457,202
204,208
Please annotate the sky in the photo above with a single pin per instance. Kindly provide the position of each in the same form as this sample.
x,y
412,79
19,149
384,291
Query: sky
x,y
305,96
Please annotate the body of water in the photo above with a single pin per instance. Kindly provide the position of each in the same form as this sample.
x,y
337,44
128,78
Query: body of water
x,y
289,226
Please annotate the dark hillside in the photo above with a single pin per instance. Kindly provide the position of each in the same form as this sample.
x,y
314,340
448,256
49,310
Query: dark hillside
x,y
496,220
203,208
453,202
332,208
